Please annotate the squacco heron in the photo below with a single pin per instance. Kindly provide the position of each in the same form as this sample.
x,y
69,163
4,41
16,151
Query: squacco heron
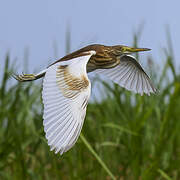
x,y
66,87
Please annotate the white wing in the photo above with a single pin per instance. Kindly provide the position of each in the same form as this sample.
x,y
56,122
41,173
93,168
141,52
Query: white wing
x,y
66,90
130,75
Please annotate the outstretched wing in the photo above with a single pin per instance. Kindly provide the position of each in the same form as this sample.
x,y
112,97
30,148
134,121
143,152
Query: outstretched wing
x,y
66,90
130,75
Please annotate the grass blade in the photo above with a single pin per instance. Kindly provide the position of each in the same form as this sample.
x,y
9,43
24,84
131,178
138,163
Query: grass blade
x,y
164,175
97,157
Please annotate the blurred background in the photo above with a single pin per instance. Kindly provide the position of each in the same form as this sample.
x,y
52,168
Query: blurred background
x,y
125,136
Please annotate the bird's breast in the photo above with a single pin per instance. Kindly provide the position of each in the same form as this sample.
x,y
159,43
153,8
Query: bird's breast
x,y
100,62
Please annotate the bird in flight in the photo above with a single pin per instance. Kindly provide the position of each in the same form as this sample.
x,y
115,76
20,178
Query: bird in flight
x,y
66,87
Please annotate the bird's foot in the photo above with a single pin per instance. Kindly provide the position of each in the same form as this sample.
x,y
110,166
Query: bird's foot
x,y
24,77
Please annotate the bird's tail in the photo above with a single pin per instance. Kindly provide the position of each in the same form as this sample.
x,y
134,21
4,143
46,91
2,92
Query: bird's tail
x,y
29,77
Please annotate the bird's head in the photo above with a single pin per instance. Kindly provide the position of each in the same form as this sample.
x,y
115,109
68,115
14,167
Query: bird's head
x,y
120,50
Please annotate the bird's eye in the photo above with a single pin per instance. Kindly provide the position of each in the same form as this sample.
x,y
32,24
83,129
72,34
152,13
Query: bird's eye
x,y
123,49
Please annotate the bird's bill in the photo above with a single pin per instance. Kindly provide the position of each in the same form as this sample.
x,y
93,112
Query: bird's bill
x,y
130,50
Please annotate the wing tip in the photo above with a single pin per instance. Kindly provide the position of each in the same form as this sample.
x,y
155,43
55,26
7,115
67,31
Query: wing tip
x,y
151,91
60,150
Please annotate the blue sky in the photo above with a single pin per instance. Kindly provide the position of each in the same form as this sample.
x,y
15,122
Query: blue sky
x,y
39,25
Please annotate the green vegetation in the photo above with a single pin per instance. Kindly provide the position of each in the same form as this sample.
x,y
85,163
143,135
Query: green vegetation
x,y
136,137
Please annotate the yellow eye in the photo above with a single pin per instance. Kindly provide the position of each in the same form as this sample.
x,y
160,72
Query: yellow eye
x,y
124,49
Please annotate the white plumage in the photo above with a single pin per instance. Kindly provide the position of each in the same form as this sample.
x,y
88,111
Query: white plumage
x,y
65,108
